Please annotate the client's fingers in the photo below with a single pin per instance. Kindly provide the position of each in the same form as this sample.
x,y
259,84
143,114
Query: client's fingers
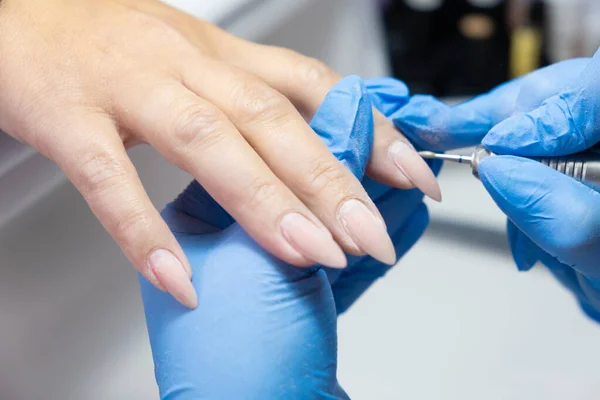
x,y
197,136
292,150
306,81
103,173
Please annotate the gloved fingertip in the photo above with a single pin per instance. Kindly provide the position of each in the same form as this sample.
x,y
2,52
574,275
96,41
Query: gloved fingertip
x,y
533,195
423,121
514,135
352,84
553,129
512,182
387,94
492,171
434,125
385,84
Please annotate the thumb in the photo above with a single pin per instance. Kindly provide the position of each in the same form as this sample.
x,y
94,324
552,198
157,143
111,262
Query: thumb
x,y
566,123
535,198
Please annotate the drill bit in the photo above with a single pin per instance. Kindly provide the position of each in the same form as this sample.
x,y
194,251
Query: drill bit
x,y
430,155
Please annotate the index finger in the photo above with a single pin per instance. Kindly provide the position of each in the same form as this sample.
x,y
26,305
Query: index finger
x,y
91,153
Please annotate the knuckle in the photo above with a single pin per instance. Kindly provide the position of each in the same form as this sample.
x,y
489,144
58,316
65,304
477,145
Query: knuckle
x,y
100,173
262,193
160,30
324,174
197,126
256,103
130,225
309,72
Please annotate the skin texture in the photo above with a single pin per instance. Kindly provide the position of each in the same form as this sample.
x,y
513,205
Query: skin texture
x,y
83,80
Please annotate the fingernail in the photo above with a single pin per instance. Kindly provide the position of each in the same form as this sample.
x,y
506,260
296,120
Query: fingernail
x,y
413,168
312,242
367,231
172,275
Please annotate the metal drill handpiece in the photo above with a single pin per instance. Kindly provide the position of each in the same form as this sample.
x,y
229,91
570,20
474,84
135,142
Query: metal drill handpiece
x,y
478,155
572,168
584,167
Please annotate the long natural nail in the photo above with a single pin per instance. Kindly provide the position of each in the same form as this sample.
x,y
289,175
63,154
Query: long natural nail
x,y
312,242
173,277
367,231
412,166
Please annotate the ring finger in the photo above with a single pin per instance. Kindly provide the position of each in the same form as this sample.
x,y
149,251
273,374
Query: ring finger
x,y
279,134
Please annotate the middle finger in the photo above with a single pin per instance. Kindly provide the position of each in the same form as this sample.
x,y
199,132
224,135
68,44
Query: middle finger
x,y
279,134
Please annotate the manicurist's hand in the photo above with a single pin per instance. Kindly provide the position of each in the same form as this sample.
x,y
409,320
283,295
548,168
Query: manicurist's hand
x,y
553,219
82,80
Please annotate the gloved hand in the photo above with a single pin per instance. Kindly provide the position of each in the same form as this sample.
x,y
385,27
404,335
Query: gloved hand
x,y
264,329
433,125
550,112
559,216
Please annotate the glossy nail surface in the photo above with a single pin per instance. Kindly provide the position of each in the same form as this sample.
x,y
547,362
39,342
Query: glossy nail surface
x,y
312,242
171,275
411,165
367,231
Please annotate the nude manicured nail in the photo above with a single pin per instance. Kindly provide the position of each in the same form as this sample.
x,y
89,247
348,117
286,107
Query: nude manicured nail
x,y
313,242
412,166
367,231
171,275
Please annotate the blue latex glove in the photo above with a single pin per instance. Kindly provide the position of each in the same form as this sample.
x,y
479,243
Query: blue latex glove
x,y
550,112
433,125
559,216
264,329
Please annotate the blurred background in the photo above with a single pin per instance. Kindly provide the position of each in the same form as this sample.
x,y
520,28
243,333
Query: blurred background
x,y
453,321
465,47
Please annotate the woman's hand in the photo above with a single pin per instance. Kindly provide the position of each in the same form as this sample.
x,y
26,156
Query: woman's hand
x,y
82,80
